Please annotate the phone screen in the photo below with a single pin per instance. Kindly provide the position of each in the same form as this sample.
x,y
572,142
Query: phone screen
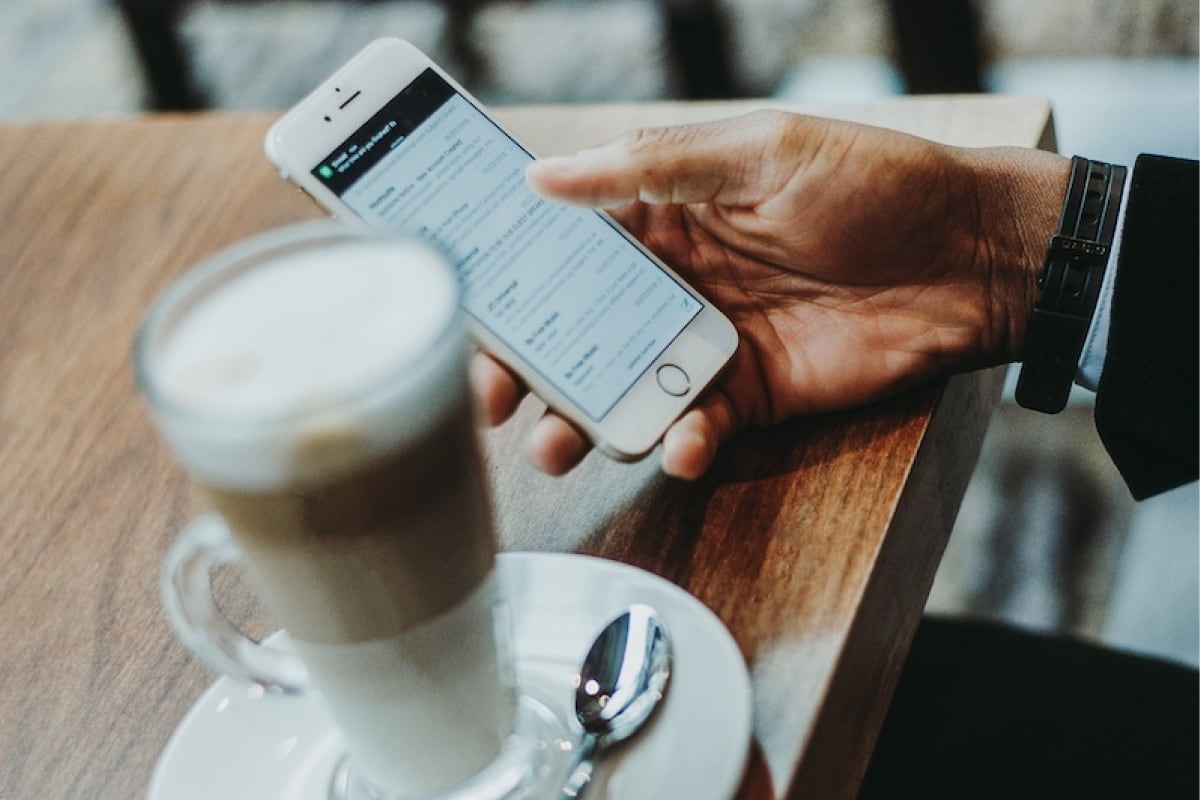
x,y
559,284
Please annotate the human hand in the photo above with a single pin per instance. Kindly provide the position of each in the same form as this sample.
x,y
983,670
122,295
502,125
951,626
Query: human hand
x,y
854,261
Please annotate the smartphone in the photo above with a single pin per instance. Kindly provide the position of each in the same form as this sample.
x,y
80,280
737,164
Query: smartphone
x,y
602,331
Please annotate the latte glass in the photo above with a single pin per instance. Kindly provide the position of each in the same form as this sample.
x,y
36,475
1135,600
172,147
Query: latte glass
x,y
312,382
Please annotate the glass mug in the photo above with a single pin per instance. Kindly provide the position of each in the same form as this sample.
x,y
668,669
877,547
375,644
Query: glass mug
x,y
312,382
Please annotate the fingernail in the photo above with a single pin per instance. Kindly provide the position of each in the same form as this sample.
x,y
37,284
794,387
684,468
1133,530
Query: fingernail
x,y
559,164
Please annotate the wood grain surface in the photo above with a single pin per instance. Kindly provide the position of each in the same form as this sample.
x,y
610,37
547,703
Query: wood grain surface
x,y
815,542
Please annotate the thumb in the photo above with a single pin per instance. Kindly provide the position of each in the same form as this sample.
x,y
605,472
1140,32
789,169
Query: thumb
x,y
709,162
691,444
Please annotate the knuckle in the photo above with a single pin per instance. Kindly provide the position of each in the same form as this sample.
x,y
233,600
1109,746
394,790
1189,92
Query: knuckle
x,y
647,139
775,128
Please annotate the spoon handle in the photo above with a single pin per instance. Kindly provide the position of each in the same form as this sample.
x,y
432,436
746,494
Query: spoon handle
x,y
582,770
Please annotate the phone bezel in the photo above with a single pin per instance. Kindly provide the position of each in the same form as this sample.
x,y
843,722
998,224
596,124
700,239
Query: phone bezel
x,y
345,101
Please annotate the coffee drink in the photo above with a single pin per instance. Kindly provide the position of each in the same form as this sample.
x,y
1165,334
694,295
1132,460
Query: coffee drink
x,y
370,553
319,399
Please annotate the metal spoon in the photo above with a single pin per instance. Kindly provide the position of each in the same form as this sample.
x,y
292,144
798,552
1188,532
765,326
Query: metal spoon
x,y
619,685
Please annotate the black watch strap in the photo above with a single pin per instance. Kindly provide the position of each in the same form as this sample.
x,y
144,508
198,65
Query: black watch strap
x,y
1075,264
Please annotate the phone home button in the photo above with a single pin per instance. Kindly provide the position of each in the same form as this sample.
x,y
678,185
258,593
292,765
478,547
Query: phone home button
x,y
673,380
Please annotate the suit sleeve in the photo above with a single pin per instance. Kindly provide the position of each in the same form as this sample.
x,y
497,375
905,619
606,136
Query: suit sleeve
x,y
1146,403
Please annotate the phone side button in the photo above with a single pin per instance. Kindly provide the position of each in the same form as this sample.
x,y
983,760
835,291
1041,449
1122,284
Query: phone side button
x,y
673,380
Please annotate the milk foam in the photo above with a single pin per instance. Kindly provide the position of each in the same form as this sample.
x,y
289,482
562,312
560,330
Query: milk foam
x,y
350,345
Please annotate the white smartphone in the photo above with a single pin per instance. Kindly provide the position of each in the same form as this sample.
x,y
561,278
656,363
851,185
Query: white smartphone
x,y
600,329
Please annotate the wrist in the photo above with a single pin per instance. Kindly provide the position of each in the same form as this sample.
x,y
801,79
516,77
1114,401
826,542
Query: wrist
x,y
1018,196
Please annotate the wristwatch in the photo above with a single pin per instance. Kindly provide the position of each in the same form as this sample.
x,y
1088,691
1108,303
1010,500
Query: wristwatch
x,y
1075,262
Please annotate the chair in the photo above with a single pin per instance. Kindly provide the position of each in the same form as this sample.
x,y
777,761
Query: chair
x,y
694,34
937,43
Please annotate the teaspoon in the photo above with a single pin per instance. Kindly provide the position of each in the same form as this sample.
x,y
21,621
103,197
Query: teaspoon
x,y
619,685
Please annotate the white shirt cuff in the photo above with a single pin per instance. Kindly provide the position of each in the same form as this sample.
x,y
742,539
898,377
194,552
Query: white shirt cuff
x,y
1095,346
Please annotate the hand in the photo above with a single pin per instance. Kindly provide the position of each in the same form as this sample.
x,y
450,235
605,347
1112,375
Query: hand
x,y
854,261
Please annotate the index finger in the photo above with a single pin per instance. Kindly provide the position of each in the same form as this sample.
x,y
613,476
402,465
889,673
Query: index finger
x,y
726,162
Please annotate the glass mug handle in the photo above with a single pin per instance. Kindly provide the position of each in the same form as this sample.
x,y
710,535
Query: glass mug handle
x,y
187,596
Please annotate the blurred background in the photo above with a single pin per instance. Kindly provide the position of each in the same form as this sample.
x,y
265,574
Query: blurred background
x,y
1048,537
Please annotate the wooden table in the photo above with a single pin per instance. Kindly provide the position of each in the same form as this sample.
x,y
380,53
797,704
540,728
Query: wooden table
x,y
815,542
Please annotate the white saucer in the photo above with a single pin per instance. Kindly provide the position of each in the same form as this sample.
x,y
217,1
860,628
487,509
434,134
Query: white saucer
x,y
238,743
